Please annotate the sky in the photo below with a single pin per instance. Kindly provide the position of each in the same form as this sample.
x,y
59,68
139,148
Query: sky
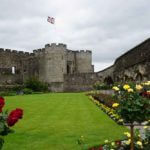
x,y
107,27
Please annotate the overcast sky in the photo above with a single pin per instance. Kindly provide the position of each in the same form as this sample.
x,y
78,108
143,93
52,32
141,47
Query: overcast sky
x,y
107,27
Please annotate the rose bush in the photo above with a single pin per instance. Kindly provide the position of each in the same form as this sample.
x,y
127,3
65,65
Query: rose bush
x,y
7,120
2,103
133,107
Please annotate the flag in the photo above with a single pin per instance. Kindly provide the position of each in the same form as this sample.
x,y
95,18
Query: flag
x,y
51,20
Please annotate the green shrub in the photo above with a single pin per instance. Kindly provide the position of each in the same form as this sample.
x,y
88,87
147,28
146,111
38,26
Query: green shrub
x,y
7,93
1,142
17,88
27,91
36,85
101,86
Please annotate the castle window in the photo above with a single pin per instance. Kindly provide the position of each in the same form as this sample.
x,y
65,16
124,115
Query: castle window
x,y
13,70
68,69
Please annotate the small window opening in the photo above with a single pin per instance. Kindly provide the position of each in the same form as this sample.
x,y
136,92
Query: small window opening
x,y
13,70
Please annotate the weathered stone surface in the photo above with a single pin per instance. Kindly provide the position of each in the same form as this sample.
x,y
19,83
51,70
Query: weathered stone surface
x,y
49,64
134,65
80,81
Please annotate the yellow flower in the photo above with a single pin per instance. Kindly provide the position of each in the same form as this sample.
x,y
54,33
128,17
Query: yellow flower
x,y
139,87
115,88
106,141
130,90
113,143
115,105
128,142
127,134
126,86
139,135
146,83
145,127
139,143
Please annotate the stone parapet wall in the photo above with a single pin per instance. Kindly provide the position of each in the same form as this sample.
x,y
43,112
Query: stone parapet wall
x,y
134,65
134,56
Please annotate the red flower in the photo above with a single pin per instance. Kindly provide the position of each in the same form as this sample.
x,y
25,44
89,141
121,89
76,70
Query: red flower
x,y
100,148
11,121
17,112
118,143
14,116
2,103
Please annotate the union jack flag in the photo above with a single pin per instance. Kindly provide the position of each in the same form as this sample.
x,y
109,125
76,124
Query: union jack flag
x,y
51,20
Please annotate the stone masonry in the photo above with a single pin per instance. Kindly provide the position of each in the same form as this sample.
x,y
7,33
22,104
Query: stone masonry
x,y
134,65
53,64
67,70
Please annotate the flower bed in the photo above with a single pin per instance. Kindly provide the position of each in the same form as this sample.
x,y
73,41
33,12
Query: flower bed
x,y
140,142
109,111
133,106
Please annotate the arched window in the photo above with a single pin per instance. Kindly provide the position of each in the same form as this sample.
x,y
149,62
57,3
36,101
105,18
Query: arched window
x,y
108,80
139,77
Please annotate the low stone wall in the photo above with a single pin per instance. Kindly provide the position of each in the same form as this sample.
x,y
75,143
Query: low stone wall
x,y
10,79
56,87
79,82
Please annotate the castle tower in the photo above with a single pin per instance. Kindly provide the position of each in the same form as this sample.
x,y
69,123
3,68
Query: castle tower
x,y
84,62
52,63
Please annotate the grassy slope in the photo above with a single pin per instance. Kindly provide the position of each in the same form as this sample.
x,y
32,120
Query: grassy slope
x,y
56,121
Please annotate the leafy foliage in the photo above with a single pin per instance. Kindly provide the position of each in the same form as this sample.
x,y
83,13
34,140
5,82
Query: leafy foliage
x,y
101,86
1,142
27,91
132,106
36,85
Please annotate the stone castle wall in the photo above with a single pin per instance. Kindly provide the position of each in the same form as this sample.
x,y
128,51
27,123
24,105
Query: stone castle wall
x,y
8,59
134,65
134,56
79,61
80,82
54,64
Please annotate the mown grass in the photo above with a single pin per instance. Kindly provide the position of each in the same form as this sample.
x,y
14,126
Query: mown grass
x,y
56,121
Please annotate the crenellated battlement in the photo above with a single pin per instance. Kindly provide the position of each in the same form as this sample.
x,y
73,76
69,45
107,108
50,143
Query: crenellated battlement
x,y
84,51
15,52
56,45
79,51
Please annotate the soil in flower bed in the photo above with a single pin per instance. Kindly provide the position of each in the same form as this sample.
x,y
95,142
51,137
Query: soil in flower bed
x,y
105,99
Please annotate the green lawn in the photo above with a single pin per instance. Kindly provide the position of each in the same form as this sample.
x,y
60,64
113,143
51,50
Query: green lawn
x,y
56,121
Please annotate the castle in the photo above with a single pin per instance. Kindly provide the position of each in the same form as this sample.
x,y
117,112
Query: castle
x,y
62,69
67,70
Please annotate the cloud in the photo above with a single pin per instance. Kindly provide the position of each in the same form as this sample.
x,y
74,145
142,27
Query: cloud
x,y
108,28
